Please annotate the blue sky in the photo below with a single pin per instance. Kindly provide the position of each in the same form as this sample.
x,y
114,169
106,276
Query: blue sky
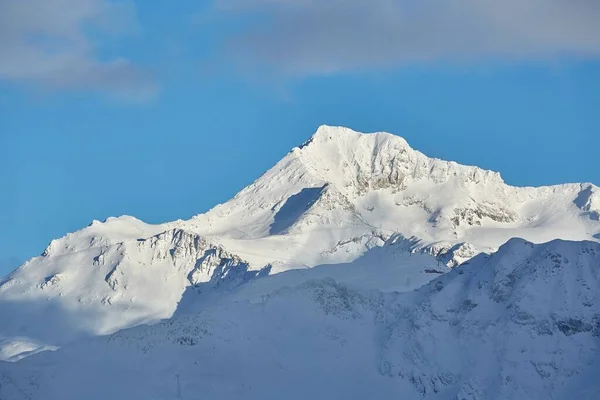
x,y
163,110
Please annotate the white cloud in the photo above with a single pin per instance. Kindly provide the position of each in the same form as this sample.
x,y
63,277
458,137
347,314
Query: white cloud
x,y
322,36
50,44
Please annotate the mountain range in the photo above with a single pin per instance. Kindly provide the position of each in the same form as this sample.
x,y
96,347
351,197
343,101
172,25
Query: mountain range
x,y
356,267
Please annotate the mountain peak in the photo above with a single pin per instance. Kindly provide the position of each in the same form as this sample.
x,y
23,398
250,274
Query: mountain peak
x,y
330,133
361,162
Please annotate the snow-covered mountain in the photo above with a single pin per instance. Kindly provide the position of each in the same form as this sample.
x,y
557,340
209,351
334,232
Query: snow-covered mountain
x,y
342,184
523,323
346,198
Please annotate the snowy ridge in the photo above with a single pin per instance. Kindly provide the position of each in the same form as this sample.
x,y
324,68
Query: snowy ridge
x,y
522,323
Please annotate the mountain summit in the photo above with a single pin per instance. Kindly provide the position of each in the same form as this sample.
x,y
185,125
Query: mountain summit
x,y
342,197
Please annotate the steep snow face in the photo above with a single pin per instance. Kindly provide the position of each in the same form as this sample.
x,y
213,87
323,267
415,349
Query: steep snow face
x,y
522,323
377,182
107,286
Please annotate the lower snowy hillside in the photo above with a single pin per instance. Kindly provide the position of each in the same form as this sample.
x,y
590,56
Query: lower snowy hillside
x,y
56,298
523,323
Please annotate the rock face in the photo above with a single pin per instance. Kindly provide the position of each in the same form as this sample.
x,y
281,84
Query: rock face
x,y
339,197
521,323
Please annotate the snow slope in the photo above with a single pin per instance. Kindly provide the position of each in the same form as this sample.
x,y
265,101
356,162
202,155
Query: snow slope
x,y
523,323
340,197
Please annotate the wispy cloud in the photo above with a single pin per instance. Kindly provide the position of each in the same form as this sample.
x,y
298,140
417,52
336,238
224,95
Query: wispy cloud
x,y
300,37
53,44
